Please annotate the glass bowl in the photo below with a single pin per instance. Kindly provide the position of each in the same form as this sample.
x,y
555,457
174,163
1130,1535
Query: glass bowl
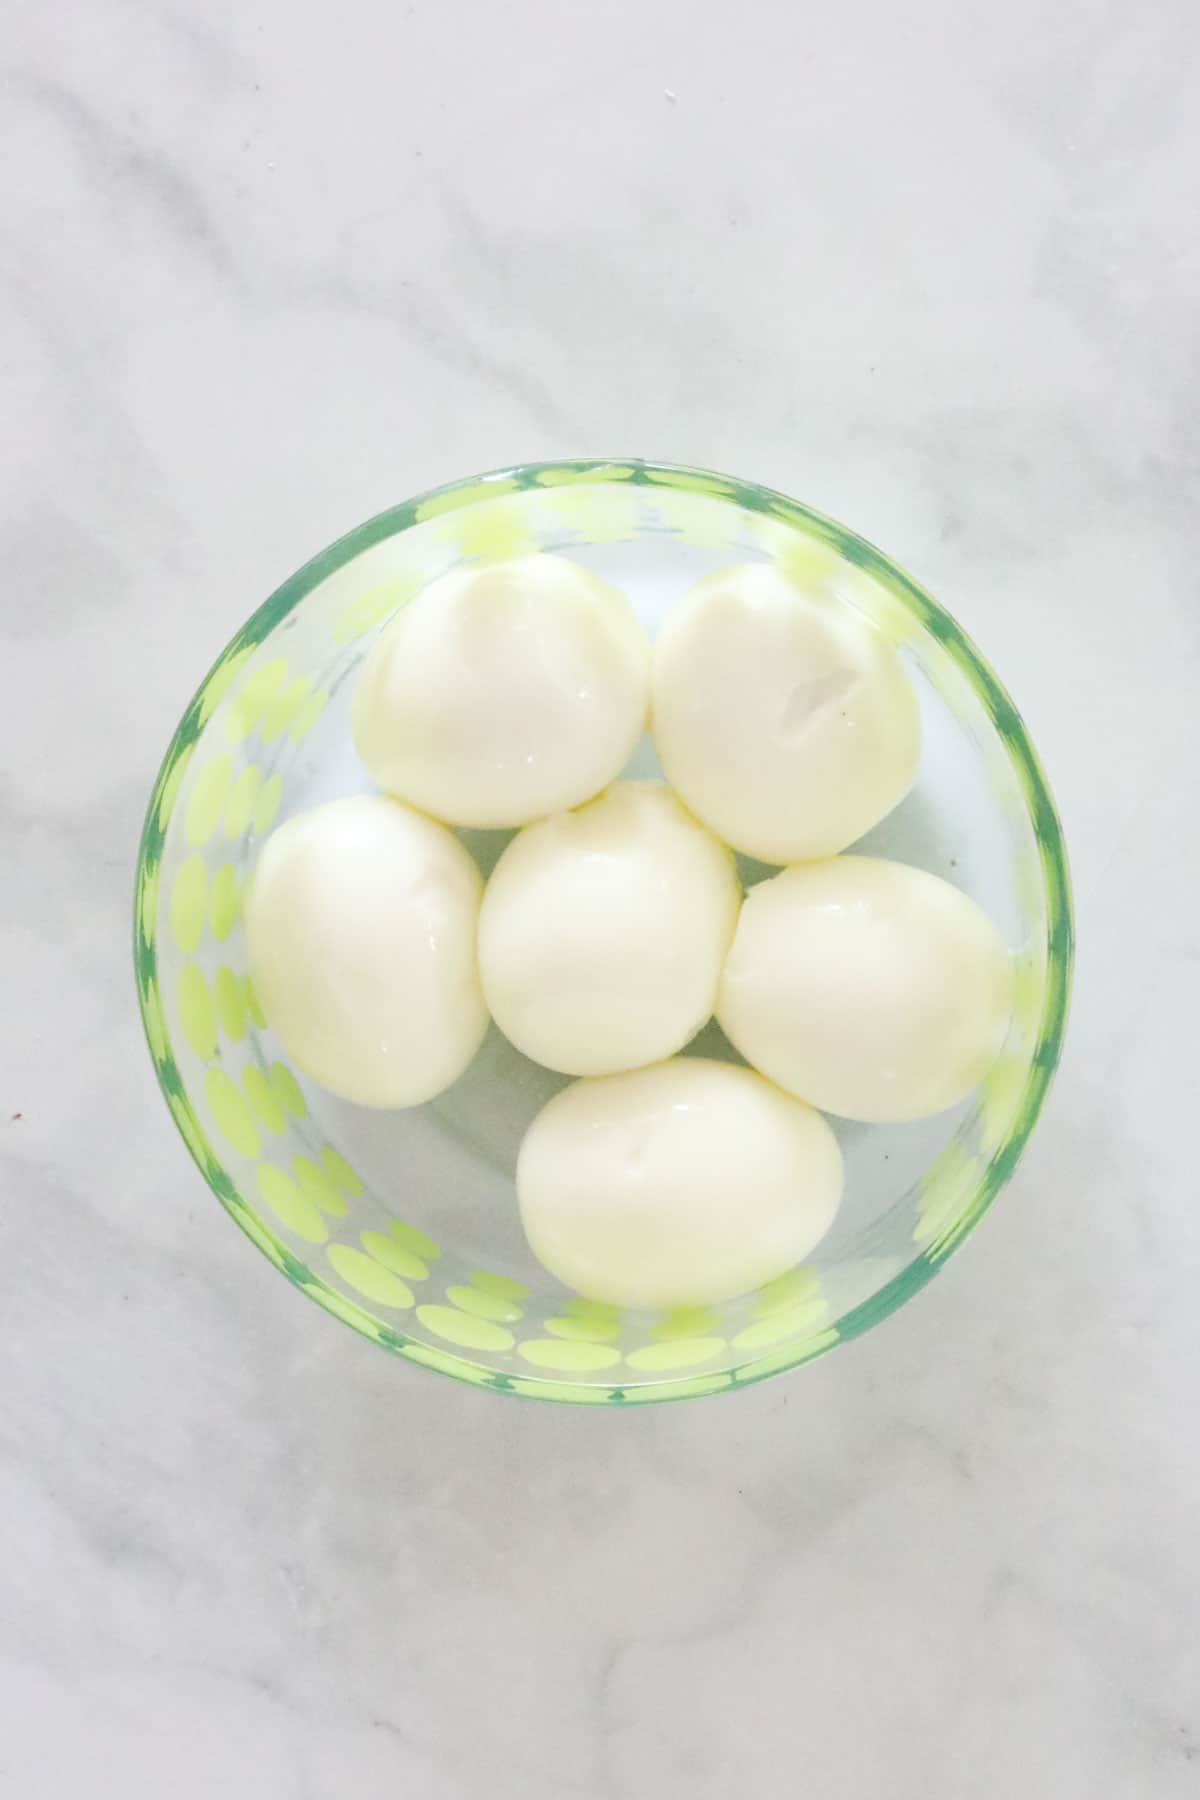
x,y
405,1224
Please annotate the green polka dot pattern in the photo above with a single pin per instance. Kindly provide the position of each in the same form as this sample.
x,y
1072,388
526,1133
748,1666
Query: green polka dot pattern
x,y
224,902
230,996
464,1329
197,1012
685,1322
409,1237
253,1009
188,897
372,608
208,799
235,1121
594,1315
240,808
370,1278
558,1353
292,1208
316,1186
483,1305
221,680
258,1132
307,716
252,700
776,1329
675,1353
580,1331
286,1089
393,1255
265,1101
502,1287
279,712
798,1287
267,804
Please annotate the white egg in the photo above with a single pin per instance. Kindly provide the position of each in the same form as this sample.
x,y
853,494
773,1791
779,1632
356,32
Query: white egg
x,y
603,932
677,1185
361,919
504,693
785,721
871,989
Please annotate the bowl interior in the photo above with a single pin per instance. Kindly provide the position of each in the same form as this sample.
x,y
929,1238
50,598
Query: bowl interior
x,y
405,1224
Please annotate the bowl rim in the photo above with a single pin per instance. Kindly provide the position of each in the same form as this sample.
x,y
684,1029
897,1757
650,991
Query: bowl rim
x,y
769,504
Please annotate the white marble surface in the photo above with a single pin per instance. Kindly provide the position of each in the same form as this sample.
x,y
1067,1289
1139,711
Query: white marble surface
x,y
265,268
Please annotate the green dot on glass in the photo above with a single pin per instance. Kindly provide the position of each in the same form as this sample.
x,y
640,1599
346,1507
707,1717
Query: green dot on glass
x,y
264,1100
197,1014
484,1306
189,892
316,1186
395,1256
224,902
240,808
340,1173
463,1328
231,1003
234,1119
369,1278
290,1206
207,801
287,1090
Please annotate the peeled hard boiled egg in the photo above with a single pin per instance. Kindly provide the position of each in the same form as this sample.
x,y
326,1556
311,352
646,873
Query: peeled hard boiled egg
x,y
871,989
677,1185
785,721
504,693
603,932
360,923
